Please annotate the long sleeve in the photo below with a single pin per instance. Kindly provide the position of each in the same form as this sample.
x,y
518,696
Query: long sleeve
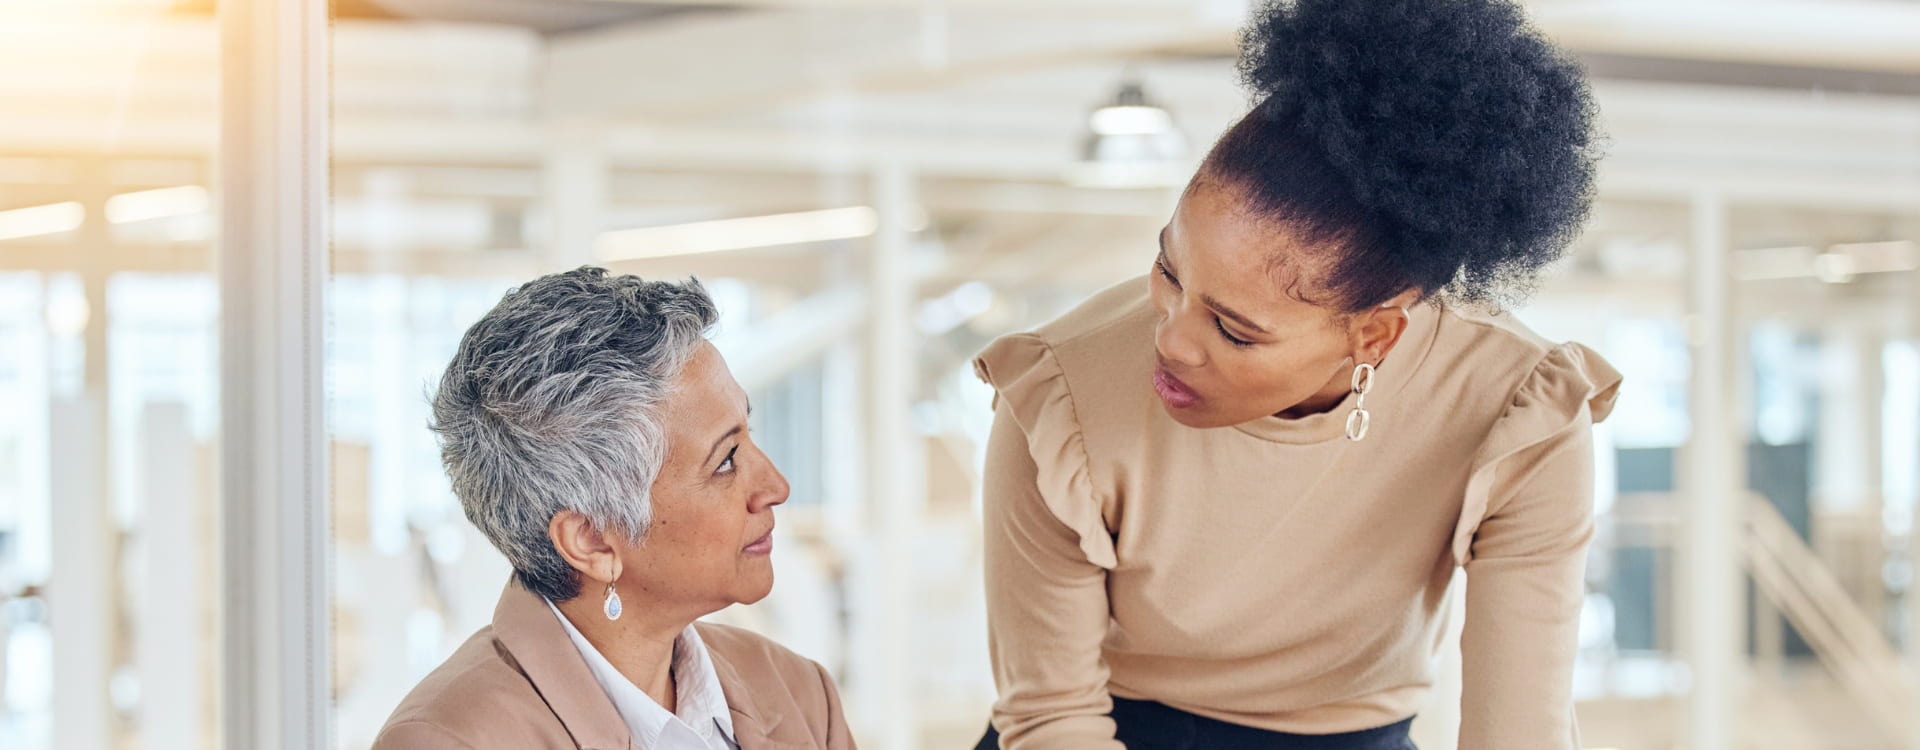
x,y
1046,612
1047,554
1525,570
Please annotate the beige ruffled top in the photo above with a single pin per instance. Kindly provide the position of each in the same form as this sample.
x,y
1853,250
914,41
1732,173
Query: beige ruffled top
x,y
1275,574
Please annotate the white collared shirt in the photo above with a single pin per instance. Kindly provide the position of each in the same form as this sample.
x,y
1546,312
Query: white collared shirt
x,y
701,721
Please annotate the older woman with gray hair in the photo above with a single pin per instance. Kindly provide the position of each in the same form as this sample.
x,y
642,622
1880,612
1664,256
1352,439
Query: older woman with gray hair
x,y
599,441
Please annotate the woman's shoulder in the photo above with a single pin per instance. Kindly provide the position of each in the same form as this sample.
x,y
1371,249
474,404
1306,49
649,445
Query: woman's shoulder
x,y
1504,356
772,676
747,651
1103,341
1543,395
763,665
1115,311
1537,393
476,698
1494,337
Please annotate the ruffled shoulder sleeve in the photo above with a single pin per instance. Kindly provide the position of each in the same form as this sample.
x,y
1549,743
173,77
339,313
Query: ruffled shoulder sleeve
x,y
1031,388
1572,387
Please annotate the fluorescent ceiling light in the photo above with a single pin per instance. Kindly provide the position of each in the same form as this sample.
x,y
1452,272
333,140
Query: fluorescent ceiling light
x,y
127,208
1881,257
1838,264
1835,268
738,234
34,221
1768,263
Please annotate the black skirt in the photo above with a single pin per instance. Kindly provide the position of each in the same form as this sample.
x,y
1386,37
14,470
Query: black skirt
x,y
1146,725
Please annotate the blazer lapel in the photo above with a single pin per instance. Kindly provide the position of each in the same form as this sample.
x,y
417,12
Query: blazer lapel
x,y
546,655
754,723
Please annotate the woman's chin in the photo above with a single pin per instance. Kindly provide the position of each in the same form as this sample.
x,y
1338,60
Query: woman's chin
x,y
1197,418
1183,416
756,585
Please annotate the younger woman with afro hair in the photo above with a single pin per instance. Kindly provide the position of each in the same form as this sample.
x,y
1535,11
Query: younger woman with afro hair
x,y
1225,502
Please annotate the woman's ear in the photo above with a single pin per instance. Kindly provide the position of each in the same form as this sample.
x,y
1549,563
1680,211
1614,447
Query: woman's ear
x,y
584,546
1377,330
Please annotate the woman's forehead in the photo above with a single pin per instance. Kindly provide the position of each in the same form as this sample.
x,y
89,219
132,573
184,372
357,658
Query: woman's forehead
x,y
1251,263
706,399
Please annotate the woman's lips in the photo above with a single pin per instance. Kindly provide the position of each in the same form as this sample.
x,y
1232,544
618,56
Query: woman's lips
x,y
1175,393
761,546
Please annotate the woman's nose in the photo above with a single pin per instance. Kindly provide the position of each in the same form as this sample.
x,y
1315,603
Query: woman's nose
x,y
773,488
1175,345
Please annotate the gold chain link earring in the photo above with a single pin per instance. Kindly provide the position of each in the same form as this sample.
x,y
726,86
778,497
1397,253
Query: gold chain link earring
x,y
1359,420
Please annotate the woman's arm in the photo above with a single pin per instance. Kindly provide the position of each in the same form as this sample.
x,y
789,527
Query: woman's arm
x,y
1047,610
1525,584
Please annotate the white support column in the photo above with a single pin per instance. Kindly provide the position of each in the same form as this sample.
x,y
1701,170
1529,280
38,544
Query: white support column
x,y
95,497
1913,627
1913,624
1712,486
171,646
843,449
385,211
84,581
1913,558
80,589
575,177
273,468
1872,427
894,459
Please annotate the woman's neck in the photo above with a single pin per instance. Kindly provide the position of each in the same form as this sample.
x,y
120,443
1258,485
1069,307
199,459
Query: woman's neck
x,y
638,646
1323,400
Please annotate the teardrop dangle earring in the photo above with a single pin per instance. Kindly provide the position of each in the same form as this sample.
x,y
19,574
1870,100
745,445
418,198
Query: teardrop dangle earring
x,y
612,606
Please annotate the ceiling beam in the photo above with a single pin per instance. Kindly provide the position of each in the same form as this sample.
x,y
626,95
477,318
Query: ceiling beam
x,y
1022,7
1868,35
1876,35
669,71
57,257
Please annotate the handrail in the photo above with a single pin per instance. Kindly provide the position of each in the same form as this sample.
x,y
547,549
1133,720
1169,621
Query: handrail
x,y
1792,575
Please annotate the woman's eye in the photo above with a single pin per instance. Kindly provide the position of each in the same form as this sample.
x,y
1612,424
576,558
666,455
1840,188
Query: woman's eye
x,y
1235,340
1166,273
727,465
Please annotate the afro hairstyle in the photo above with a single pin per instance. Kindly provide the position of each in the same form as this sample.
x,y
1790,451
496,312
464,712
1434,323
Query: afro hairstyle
x,y
1440,145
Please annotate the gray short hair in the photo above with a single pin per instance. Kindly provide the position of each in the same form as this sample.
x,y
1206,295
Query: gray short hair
x,y
553,403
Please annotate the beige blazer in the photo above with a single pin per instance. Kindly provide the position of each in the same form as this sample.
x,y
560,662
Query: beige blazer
x,y
520,683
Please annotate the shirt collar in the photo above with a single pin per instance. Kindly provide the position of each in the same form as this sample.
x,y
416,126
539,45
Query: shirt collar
x,y
701,705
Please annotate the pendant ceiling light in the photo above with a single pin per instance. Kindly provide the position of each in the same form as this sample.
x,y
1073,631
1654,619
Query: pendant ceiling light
x,y
1131,142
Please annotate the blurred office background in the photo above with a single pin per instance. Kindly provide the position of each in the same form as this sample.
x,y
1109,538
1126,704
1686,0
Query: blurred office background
x,y
874,189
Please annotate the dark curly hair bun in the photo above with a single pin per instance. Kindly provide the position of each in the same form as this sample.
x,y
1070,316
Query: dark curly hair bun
x,y
1444,143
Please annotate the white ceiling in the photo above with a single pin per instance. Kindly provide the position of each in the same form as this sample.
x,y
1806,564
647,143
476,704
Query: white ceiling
x,y
784,104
